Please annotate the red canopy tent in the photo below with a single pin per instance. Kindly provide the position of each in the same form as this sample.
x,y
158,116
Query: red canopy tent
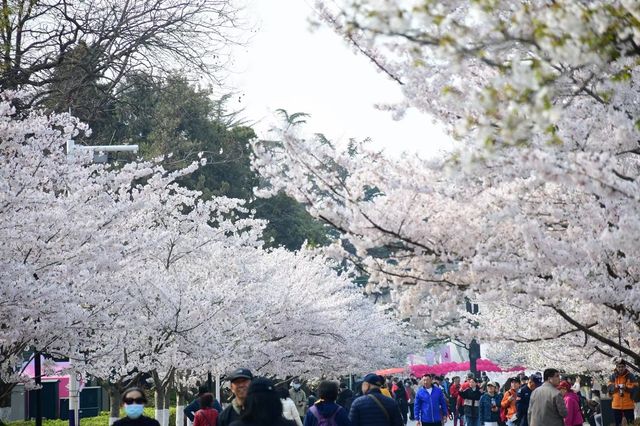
x,y
449,367
392,371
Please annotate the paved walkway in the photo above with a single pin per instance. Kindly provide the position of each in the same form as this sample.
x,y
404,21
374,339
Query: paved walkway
x,y
413,423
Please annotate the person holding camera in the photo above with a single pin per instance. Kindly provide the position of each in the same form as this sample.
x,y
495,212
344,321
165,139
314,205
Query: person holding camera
x,y
621,387
490,406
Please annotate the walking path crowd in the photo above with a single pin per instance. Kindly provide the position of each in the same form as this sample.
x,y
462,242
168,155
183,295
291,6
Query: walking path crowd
x,y
546,399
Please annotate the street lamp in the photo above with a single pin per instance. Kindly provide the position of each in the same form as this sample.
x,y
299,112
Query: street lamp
x,y
37,366
474,347
99,150
99,156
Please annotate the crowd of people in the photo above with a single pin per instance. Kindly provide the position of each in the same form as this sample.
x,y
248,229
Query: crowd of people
x,y
542,399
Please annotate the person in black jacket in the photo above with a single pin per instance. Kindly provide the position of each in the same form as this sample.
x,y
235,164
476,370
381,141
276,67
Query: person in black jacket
x,y
345,397
240,380
523,397
400,395
262,406
373,408
471,395
133,401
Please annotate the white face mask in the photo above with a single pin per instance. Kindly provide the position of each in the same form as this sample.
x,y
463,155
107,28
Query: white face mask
x,y
296,386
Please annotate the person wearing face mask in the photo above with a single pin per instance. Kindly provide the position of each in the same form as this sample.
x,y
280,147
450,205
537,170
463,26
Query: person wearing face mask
x,y
133,401
299,397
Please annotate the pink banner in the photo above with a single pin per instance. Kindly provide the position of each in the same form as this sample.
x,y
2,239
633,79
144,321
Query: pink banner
x,y
445,354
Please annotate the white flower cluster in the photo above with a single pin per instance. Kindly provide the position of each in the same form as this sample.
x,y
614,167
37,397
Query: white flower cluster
x,y
534,217
124,271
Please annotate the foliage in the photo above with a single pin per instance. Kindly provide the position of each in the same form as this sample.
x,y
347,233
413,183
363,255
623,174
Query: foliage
x,y
99,420
535,212
141,275
173,116
289,224
118,38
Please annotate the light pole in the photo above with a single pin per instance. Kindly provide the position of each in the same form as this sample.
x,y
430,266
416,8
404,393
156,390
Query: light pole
x,y
99,150
74,398
37,367
99,156
474,347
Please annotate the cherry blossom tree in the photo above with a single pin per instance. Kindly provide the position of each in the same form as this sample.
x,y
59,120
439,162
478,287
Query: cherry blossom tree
x,y
533,214
203,302
67,226
127,273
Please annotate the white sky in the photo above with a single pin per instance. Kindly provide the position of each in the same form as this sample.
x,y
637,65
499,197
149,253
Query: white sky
x,y
287,66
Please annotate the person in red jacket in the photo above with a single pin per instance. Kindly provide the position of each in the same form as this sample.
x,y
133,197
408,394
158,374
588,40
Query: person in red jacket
x,y
206,415
454,391
572,402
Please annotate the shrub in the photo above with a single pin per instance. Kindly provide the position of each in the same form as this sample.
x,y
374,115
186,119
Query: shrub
x,y
101,420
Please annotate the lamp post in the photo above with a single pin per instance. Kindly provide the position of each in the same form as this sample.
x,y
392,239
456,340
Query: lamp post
x,y
99,156
99,150
74,398
474,347
37,367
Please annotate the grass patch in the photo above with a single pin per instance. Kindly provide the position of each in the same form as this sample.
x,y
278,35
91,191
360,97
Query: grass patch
x,y
101,420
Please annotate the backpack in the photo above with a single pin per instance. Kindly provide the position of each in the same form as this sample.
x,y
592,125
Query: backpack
x,y
325,421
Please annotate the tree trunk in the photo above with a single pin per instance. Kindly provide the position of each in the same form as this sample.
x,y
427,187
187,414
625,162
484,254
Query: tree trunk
x,y
114,402
180,403
159,392
167,403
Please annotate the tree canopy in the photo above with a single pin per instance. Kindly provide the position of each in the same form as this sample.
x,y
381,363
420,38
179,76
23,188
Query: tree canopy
x,y
535,212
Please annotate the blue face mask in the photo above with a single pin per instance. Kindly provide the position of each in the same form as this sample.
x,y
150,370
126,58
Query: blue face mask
x,y
133,411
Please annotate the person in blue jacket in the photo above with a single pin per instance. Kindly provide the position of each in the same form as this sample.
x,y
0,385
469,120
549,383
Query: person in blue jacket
x,y
430,406
490,406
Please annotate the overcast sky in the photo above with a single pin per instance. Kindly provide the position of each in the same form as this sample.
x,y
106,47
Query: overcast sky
x,y
287,66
